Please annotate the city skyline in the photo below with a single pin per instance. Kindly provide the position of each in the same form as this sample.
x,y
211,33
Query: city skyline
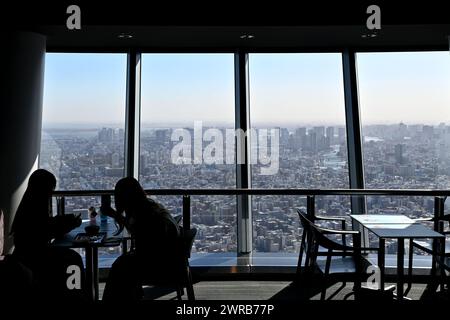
x,y
402,157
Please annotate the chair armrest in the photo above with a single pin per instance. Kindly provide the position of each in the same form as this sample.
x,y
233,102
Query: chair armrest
x,y
329,218
345,250
344,232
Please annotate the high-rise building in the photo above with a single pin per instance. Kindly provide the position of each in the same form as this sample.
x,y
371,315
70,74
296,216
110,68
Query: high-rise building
x,y
428,131
399,154
330,134
106,135
341,134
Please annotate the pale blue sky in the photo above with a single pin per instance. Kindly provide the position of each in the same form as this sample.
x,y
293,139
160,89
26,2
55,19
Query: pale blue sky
x,y
286,89
84,88
410,87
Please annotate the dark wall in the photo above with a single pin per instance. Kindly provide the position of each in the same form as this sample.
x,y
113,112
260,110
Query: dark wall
x,y
21,94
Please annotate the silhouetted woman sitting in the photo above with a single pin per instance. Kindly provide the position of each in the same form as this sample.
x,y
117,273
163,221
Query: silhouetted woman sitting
x,y
155,233
33,229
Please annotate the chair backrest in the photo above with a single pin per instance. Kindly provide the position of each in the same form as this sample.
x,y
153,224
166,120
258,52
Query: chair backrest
x,y
188,237
174,266
318,233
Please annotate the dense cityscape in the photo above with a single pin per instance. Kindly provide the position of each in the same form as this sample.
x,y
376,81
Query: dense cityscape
x,y
395,156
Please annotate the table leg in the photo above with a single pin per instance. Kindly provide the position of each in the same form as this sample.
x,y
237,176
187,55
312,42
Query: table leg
x,y
124,246
381,258
95,272
89,272
441,262
400,267
435,248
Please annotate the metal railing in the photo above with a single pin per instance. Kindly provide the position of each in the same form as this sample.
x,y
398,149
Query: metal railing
x,y
310,194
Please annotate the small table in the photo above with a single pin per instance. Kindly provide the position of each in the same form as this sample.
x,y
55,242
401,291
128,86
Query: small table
x,y
397,227
91,249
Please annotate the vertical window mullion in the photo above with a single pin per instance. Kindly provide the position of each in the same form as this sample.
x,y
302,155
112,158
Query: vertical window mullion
x,y
242,120
354,137
133,112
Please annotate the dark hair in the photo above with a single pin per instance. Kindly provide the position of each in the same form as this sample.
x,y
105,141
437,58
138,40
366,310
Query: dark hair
x,y
127,192
42,180
36,197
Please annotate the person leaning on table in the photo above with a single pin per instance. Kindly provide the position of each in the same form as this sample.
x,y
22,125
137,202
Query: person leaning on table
x,y
155,233
33,228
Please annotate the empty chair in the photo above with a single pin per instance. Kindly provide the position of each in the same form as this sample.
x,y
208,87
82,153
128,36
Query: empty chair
x,y
342,261
306,238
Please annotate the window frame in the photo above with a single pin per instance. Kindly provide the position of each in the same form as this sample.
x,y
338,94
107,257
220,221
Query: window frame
x,y
242,113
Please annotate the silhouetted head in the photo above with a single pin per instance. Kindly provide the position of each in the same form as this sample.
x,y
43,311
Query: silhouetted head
x,y
41,181
128,193
35,199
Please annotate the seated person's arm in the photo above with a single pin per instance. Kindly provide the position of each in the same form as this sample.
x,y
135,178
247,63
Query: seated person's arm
x,y
110,212
60,225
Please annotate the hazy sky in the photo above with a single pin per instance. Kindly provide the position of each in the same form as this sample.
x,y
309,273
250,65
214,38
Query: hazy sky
x,y
183,88
285,89
408,87
296,89
84,88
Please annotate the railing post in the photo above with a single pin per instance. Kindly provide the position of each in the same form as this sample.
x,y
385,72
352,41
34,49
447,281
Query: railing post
x,y
438,212
311,207
60,205
186,212
105,204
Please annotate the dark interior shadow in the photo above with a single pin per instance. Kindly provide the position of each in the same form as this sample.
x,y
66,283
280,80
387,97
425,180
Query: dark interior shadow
x,y
431,294
156,292
308,288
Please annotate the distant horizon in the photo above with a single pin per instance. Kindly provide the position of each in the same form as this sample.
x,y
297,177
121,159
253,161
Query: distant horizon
x,y
88,125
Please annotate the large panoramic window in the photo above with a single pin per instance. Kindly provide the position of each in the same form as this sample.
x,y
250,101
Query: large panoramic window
x,y
405,115
187,113
297,113
82,140
83,119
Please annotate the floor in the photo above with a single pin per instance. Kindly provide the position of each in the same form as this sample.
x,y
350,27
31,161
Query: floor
x,y
279,291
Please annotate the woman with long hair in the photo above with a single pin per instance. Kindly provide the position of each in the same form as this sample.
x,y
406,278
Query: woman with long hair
x,y
155,234
33,229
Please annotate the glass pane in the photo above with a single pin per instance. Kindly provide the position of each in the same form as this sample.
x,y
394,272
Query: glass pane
x,y
300,98
187,114
83,119
405,114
